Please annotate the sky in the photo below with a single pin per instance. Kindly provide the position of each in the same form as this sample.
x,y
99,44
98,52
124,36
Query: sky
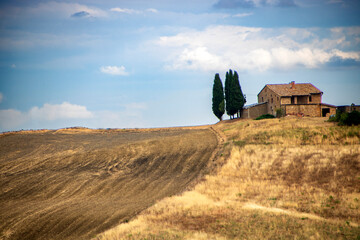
x,y
151,63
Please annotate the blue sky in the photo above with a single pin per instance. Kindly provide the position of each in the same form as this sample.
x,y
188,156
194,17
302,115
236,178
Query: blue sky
x,y
142,63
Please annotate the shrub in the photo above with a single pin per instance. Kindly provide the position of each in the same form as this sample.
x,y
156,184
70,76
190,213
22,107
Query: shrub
x,y
352,118
337,116
346,119
280,112
332,118
265,116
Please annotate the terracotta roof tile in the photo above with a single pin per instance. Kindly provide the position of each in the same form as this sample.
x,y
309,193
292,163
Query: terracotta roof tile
x,y
299,89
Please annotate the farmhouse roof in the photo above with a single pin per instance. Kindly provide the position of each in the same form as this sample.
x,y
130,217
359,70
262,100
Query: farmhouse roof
x,y
293,89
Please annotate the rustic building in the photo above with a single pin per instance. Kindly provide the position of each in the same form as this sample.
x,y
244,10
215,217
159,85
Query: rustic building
x,y
349,108
293,99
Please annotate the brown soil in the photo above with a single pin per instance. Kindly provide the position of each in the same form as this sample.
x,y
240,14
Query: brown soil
x,y
76,183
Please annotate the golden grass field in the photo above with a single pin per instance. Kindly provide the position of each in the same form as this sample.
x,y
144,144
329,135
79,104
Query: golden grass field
x,y
283,178
76,183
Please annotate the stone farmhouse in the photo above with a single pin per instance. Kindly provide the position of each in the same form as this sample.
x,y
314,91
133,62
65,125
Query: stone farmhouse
x,y
302,99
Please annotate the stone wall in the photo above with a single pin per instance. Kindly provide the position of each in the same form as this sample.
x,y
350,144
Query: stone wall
x,y
269,96
285,100
311,110
315,98
327,110
254,111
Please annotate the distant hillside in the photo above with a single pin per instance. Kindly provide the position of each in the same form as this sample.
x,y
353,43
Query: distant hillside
x,y
282,179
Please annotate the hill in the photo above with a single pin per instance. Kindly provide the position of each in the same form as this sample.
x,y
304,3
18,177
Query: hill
x,y
281,179
76,183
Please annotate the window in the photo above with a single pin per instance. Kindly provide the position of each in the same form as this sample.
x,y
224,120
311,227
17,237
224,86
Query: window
x,y
262,99
310,99
272,100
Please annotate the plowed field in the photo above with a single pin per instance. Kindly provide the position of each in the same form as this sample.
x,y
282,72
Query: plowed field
x,y
76,183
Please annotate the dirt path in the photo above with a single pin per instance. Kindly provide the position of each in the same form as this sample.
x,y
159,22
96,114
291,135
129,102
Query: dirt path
x,y
254,206
73,184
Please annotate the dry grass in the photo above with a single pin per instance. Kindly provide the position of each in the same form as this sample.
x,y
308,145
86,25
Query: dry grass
x,y
282,179
76,183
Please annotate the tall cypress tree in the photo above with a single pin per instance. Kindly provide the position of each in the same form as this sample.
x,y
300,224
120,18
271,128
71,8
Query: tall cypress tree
x,y
218,103
238,97
229,93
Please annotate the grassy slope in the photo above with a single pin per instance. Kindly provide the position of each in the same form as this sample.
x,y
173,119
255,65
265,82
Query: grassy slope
x,y
76,183
282,179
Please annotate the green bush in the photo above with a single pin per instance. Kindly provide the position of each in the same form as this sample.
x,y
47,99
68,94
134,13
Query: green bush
x,y
349,119
280,112
346,119
265,116
336,117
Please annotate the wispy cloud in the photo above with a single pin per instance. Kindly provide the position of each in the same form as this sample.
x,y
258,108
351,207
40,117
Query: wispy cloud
x,y
24,40
257,49
253,3
240,15
133,11
153,10
63,9
114,70
124,10
1,97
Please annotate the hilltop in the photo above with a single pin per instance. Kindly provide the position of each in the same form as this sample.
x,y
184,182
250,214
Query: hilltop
x,y
283,178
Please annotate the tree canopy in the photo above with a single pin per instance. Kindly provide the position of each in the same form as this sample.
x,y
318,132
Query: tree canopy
x,y
218,102
234,97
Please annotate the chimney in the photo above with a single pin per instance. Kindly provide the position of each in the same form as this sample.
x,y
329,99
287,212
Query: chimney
x,y
292,85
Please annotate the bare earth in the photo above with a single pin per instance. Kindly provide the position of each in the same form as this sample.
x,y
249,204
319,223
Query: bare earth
x,y
76,183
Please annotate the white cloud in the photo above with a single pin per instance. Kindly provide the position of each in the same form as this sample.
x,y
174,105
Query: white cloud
x,y
254,3
11,119
114,70
1,97
125,10
240,15
133,11
153,10
258,49
62,115
60,111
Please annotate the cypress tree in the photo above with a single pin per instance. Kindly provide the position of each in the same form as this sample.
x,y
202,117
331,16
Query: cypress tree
x,y
229,93
218,98
238,97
